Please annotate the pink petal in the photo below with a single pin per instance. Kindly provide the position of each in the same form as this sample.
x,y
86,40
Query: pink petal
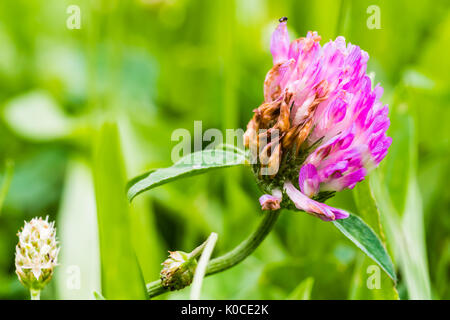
x,y
318,209
271,202
308,180
279,45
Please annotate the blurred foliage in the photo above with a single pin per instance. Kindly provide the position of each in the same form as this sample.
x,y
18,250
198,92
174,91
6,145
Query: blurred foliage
x,y
153,66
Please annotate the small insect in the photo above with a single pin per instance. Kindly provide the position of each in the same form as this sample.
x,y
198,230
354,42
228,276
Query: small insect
x,y
283,19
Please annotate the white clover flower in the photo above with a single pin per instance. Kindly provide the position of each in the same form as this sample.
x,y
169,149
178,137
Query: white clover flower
x,y
36,253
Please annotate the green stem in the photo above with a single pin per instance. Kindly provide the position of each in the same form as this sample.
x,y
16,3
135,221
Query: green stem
x,y
35,294
245,248
197,251
232,258
200,270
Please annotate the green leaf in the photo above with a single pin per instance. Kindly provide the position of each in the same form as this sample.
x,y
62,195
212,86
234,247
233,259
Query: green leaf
x,y
190,165
367,282
121,275
80,256
303,290
366,239
367,207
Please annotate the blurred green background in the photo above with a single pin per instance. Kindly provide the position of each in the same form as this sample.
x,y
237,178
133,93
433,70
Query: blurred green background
x,y
153,66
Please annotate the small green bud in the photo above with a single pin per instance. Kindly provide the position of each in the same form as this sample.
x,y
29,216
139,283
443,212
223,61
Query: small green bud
x,y
178,270
36,253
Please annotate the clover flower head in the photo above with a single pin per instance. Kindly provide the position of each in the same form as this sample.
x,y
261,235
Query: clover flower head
x,y
36,253
329,121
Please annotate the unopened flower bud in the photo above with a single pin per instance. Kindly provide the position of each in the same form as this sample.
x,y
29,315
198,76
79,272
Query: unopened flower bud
x,y
271,202
36,253
178,270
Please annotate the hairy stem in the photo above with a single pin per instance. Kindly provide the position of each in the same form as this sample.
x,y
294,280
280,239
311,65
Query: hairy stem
x,y
233,257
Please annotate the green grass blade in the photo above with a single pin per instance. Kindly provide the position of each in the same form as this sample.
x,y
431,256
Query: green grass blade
x,y
144,237
396,183
9,171
98,296
303,290
78,273
121,275
370,283
366,239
